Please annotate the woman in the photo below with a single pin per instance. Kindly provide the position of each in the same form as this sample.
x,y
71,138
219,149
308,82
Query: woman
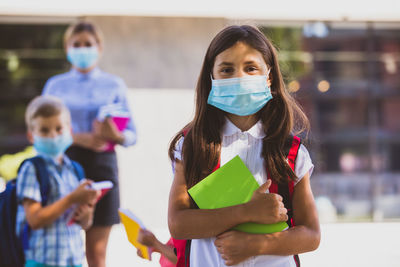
x,y
86,90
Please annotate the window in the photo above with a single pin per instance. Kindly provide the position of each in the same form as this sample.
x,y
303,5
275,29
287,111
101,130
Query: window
x,y
29,55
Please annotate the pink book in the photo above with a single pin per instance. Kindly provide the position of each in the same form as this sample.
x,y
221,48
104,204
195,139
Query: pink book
x,y
103,186
121,123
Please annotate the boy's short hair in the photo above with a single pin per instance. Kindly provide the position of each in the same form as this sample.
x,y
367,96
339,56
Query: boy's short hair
x,y
45,106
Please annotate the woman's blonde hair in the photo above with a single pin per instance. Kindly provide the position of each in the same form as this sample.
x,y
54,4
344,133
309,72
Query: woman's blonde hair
x,y
83,26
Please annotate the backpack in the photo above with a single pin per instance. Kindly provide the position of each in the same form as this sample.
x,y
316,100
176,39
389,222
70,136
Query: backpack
x,y
291,148
11,246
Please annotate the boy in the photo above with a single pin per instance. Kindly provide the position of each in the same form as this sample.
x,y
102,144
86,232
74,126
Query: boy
x,y
51,241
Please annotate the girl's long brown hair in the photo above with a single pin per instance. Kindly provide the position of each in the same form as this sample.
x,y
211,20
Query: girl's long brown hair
x,y
202,143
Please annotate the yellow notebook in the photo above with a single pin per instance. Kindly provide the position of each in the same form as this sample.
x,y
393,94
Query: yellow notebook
x,y
132,226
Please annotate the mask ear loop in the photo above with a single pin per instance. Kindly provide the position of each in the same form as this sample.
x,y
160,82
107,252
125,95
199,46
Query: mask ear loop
x,y
269,71
267,75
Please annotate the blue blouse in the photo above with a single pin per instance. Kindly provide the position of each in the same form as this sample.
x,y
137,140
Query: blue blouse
x,y
84,94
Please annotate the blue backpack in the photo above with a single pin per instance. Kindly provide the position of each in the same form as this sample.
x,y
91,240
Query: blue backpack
x,y
11,246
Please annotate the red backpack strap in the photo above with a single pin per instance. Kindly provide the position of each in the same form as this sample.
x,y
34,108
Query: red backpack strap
x,y
180,248
185,131
291,156
291,148
286,190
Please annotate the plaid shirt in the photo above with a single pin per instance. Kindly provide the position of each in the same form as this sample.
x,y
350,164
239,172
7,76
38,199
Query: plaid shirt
x,y
56,244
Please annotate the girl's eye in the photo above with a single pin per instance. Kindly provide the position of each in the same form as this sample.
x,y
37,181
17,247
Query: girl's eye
x,y
59,129
227,70
88,44
252,69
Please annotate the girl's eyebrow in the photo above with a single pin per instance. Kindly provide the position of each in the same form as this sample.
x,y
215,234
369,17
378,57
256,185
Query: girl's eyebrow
x,y
251,62
225,63
246,63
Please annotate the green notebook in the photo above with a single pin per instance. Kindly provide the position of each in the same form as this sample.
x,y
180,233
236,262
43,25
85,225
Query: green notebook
x,y
230,185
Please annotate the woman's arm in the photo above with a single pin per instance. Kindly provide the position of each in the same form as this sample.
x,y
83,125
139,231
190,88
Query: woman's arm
x,y
187,223
305,236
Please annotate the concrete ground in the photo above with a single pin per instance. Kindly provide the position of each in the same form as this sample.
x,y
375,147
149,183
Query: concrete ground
x,y
342,245
145,179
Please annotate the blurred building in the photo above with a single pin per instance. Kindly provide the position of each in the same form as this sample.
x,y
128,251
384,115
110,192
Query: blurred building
x,y
342,64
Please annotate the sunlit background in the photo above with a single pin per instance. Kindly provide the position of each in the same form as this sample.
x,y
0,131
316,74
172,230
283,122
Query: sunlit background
x,y
340,60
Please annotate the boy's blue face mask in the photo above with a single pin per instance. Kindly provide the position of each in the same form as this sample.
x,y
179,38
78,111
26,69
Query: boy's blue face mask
x,y
241,96
82,57
52,146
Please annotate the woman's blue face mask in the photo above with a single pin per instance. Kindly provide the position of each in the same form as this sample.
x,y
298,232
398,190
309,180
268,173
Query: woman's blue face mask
x,y
240,96
83,57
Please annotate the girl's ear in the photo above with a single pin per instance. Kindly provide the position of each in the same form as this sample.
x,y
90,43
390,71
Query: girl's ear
x,y
29,135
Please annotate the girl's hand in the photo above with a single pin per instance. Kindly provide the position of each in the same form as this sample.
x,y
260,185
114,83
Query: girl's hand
x,y
234,247
90,141
266,208
108,130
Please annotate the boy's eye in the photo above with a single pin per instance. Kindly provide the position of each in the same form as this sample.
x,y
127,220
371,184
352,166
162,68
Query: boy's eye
x,y
76,44
88,44
59,129
44,130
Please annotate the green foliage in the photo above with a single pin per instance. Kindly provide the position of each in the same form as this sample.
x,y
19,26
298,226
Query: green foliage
x,y
288,42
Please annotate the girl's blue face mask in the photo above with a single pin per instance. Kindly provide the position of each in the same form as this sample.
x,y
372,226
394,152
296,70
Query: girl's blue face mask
x,y
82,57
241,96
52,146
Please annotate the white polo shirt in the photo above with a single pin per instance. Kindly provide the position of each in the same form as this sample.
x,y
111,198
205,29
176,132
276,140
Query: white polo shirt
x,y
248,146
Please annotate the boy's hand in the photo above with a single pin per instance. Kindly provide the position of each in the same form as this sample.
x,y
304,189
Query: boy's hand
x,y
83,194
84,215
139,253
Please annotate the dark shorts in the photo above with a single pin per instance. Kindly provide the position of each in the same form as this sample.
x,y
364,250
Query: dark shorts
x,y
100,166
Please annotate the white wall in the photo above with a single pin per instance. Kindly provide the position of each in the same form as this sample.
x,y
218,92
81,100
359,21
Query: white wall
x,y
145,169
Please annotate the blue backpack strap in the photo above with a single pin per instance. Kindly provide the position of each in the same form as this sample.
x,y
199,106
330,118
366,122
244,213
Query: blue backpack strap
x,y
80,173
43,178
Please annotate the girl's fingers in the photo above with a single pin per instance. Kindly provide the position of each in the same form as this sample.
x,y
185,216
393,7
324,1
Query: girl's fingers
x,y
264,187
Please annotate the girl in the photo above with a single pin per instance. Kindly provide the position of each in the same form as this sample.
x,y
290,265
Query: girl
x,y
85,89
242,109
